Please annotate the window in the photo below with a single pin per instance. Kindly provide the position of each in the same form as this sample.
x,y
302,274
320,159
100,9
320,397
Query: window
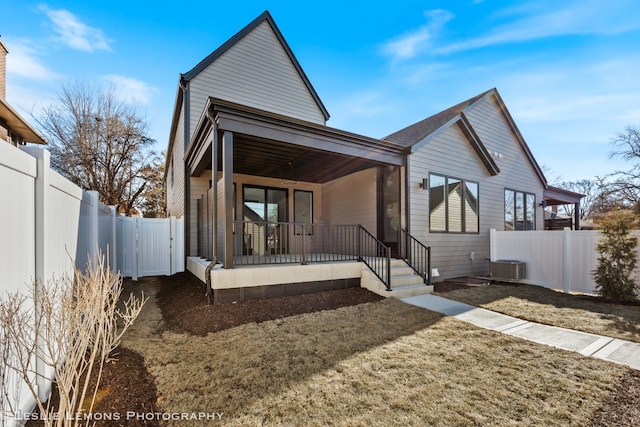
x,y
453,205
519,210
303,209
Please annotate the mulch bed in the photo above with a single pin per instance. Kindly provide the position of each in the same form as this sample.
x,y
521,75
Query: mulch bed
x,y
185,310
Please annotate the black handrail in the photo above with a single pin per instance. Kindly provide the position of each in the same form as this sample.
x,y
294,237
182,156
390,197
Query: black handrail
x,y
262,242
375,255
416,254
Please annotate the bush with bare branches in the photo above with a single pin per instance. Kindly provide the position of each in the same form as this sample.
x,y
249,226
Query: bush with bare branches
x,y
63,331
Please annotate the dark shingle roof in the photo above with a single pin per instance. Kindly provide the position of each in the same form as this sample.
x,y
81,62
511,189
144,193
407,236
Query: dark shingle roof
x,y
418,131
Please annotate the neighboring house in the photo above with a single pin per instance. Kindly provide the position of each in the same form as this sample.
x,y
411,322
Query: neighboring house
x,y
261,179
13,128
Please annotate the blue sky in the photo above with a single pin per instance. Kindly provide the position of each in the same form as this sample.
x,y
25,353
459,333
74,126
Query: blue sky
x,y
567,70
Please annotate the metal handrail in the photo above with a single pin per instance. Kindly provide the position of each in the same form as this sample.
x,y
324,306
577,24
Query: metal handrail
x,y
264,242
377,256
415,253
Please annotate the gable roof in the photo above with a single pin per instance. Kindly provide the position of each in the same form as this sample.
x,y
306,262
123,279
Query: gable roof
x,y
264,17
416,132
416,135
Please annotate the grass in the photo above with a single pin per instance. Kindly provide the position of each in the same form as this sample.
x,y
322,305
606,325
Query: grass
x,y
384,363
535,303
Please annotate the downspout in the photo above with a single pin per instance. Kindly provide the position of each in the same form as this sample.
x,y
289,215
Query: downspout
x,y
187,188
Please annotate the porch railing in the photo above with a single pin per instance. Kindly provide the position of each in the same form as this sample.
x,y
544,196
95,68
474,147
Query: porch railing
x,y
262,242
416,254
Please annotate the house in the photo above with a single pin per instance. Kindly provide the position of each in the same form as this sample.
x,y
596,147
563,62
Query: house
x,y
276,202
13,128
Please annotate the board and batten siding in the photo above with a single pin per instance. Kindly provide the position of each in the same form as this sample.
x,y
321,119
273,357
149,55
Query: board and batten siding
x,y
450,153
258,73
352,200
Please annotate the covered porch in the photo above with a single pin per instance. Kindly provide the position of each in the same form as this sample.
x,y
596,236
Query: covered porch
x,y
554,197
270,190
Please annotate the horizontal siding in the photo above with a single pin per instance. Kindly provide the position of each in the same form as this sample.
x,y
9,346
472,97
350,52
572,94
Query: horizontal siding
x,y
255,72
175,185
450,153
351,200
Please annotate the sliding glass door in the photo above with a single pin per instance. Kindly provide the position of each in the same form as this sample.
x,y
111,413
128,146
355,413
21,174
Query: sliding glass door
x,y
265,207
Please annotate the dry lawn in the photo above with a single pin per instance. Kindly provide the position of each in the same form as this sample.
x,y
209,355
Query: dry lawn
x,y
384,363
535,303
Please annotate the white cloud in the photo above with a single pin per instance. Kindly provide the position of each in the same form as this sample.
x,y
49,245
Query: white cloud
x,y
412,43
131,90
543,20
74,33
23,61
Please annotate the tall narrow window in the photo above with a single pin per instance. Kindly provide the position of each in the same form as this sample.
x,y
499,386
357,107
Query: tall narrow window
x,y
453,205
519,210
437,204
454,208
302,209
471,207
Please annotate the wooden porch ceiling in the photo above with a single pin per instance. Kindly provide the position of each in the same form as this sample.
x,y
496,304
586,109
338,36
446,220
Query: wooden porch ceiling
x,y
274,159
253,156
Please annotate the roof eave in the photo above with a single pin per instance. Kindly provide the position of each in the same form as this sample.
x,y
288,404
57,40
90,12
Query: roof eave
x,y
20,125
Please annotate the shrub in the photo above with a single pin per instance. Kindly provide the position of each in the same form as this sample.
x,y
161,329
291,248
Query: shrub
x,y
615,273
70,325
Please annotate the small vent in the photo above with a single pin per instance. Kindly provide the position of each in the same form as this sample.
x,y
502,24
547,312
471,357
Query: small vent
x,y
508,269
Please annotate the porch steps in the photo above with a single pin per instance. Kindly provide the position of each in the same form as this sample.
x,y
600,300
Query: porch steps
x,y
404,281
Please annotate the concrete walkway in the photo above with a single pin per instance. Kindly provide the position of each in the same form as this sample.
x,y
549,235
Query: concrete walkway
x,y
606,348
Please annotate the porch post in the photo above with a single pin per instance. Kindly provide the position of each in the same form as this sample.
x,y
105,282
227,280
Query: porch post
x,y
227,200
576,213
214,187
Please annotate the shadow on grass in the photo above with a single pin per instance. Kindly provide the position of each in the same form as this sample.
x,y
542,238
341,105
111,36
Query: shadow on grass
x,y
536,302
230,370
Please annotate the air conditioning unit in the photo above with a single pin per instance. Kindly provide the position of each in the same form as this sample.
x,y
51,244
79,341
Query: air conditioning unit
x,y
508,269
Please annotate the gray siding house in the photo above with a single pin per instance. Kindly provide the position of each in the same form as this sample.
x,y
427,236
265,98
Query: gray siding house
x,y
276,202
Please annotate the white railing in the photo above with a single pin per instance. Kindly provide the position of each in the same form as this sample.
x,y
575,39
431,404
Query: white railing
x,y
561,260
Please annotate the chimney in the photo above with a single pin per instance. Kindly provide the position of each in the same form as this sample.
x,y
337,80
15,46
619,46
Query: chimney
x,y
3,70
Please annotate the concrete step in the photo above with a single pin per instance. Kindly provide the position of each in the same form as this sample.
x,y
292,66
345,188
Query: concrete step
x,y
406,280
401,270
408,291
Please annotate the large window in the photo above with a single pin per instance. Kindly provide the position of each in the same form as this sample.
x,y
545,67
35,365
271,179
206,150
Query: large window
x,y
303,210
453,205
519,210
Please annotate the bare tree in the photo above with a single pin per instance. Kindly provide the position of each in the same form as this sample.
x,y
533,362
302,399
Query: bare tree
x,y
625,184
595,200
99,142
153,198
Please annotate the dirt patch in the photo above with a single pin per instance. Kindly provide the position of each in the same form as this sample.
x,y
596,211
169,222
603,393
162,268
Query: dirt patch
x,y
126,387
185,310
622,408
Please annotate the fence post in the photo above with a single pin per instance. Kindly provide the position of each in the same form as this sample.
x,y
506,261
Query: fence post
x,y
42,267
92,198
493,245
566,260
113,262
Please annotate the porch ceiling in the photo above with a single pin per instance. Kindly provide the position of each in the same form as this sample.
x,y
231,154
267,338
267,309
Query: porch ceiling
x,y
270,145
259,157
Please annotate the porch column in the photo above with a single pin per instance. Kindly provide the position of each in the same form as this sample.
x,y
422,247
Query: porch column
x,y
227,199
214,188
576,213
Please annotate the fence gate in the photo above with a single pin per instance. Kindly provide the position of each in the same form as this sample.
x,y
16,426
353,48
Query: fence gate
x,y
150,246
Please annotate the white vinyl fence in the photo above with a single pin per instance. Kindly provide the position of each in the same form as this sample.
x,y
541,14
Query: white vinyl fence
x,y
561,260
48,225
